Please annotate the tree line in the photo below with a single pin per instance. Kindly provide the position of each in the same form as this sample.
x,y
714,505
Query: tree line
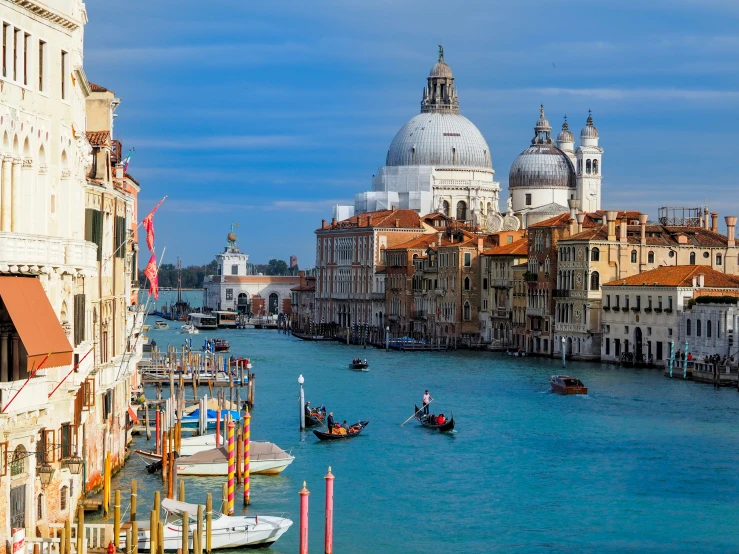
x,y
194,275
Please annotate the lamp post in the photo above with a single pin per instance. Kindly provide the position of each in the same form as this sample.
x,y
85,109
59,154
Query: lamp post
x,y
301,380
45,473
75,464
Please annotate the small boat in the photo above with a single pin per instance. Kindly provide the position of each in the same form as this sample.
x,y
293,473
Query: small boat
x,y
564,384
188,447
189,329
317,417
161,325
354,430
190,420
265,458
227,531
448,425
216,345
236,362
359,366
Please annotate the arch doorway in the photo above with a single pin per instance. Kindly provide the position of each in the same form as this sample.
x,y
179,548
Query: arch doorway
x,y
242,302
273,301
638,352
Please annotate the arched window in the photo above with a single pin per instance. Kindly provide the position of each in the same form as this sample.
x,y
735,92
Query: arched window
x,y
445,208
466,311
461,211
587,167
547,266
633,256
595,167
688,327
708,328
650,257
594,280
63,497
698,325
692,258
595,254
18,461
719,259
273,303
466,283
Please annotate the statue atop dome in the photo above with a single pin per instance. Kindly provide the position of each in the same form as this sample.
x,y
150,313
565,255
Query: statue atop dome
x,y
441,53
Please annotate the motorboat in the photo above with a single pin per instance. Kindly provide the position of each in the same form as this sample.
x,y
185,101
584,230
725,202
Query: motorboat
x,y
160,325
563,384
189,329
359,365
432,423
191,420
265,458
340,433
226,531
188,447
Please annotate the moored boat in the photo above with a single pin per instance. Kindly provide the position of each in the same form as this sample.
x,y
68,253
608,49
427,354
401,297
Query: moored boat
x,y
316,417
265,458
226,531
191,420
564,384
429,423
354,430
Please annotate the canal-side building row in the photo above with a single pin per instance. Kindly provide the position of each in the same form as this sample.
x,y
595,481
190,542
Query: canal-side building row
x,y
67,262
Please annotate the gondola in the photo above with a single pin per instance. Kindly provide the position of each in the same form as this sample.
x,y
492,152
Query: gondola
x,y
446,426
359,366
330,437
313,420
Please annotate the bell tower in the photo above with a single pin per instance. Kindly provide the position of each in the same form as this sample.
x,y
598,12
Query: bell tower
x,y
440,95
589,170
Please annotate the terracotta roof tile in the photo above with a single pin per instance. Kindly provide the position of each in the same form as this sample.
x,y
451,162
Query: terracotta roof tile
x,y
98,138
98,88
417,243
679,276
656,235
516,248
406,219
563,220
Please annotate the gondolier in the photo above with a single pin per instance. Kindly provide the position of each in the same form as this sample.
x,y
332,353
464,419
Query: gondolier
x,y
426,401
307,409
330,420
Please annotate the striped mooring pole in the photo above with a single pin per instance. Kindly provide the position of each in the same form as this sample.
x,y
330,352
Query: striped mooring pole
x,y
231,467
247,491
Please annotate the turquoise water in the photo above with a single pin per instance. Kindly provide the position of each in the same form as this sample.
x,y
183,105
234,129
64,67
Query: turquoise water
x,y
642,463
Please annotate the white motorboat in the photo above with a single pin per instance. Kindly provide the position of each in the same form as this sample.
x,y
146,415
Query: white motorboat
x,y
161,325
189,329
188,446
226,531
265,458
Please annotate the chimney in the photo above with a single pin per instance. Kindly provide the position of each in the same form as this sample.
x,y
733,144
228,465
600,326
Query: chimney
x,y
479,244
611,221
323,224
643,224
301,273
333,222
731,227
574,205
438,237
695,281
623,233
573,226
701,279
395,208
580,219
705,217
397,222
714,222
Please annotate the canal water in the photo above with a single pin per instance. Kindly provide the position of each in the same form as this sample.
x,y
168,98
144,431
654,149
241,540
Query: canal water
x,y
642,463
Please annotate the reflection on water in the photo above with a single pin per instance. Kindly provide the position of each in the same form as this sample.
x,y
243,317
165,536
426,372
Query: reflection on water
x,y
625,468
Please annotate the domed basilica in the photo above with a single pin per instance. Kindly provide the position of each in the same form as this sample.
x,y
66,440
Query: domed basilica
x,y
544,177
437,162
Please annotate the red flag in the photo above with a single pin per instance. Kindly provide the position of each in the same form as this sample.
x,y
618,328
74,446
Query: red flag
x,y
151,274
148,224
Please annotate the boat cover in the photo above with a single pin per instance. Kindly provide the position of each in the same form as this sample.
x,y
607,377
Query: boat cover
x,y
258,450
213,404
177,507
193,416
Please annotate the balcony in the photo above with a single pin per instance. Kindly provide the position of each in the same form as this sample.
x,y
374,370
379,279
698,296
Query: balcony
x,y
560,293
501,283
658,310
501,312
420,314
439,292
535,312
34,396
30,252
636,309
647,310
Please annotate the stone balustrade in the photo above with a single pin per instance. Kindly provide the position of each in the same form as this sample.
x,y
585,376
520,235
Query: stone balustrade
x,y
29,253
32,396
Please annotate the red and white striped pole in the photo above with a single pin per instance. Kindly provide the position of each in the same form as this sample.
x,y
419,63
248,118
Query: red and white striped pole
x,y
304,493
247,432
329,533
231,468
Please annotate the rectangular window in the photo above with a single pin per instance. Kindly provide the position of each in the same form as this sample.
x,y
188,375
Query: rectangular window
x,y
659,351
528,200
669,302
608,300
41,56
107,405
229,294
65,441
64,75
626,301
638,302
618,301
649,302
15,53
617,347
234,269
669,332
26,36
485,284
626,329
608,347
6,30
659,302
649,331
467,259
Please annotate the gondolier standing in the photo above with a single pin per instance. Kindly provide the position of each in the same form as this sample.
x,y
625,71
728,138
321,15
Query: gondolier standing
x,y
426,401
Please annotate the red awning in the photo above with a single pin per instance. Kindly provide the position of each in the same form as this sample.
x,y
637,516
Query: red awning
x,y
35,321
132,414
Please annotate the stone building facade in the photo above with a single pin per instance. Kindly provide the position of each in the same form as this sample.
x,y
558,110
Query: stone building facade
x,y
303,303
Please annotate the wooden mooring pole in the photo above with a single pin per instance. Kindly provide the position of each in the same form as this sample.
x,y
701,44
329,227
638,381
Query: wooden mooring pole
x,y
117,519
132,516
208,521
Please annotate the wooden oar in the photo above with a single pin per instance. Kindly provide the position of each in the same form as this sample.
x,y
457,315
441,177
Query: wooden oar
x,y
414,415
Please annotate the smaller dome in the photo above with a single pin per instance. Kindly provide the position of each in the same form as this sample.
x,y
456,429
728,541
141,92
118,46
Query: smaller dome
x,y
542,166
589,131
441,69
542,124
565,135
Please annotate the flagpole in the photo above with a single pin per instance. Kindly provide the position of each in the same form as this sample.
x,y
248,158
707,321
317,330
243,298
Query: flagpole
x,y
146,310
126,241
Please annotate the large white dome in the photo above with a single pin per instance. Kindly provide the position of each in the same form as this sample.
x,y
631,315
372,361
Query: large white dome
x,y
440,139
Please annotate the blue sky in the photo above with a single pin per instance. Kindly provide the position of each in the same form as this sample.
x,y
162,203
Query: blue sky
x,y
267,113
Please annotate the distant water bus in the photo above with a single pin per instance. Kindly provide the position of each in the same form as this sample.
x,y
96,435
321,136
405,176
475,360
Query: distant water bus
x,y
203,321
226,320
